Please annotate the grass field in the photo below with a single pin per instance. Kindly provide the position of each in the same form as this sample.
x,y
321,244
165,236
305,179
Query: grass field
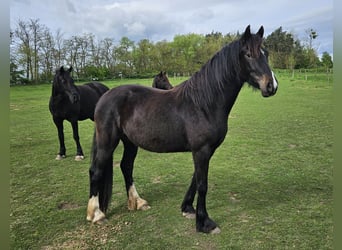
x,y
270,182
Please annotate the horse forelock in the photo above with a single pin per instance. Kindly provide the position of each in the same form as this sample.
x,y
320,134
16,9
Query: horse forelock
x,y
59,82
254,45
208,84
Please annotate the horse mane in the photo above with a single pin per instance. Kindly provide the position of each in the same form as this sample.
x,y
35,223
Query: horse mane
x,y
207,84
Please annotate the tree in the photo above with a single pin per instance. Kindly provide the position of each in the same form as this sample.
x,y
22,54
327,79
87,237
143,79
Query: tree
x,y
30,38
280,45
47,45
58,50
36,53
185,49
143,54
106,52
312,34
162,57
124,55
37,31
326,60
23,33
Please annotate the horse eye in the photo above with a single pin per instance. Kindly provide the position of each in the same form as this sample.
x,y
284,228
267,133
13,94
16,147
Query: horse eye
x,y
248,55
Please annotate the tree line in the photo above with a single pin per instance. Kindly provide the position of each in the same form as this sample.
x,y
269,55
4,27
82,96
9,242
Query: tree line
x,y
35,53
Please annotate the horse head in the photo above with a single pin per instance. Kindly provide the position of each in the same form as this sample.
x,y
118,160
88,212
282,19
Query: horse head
x,y
254,63
64,84
161,81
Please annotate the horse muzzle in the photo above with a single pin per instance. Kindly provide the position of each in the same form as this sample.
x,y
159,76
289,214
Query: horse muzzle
x,y
270,88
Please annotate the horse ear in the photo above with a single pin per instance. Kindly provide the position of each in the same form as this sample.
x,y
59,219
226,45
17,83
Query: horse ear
x,y
70,69
247,34
61,69
261,31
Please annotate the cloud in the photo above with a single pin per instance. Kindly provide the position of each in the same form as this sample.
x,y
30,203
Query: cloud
x,y
131,19
136,28
159,20
70,6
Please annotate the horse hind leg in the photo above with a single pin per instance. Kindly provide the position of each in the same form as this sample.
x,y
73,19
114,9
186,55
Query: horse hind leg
x,y
135,202
79,155
187,208
59,125
101,182
101,176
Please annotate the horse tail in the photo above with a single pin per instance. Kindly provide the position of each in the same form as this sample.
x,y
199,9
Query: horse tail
x,y
101,175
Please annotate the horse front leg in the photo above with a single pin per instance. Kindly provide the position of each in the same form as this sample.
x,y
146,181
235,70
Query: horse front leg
x,y
203,222
59,124
79,154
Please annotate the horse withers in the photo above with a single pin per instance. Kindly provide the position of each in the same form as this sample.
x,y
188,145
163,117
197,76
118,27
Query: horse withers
x,y
191,117
161,81
72,103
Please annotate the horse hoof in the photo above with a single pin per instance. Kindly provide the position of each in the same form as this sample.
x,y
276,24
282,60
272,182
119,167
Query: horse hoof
x,y
142,205
79,157
60,157
99,217
189,215
216,230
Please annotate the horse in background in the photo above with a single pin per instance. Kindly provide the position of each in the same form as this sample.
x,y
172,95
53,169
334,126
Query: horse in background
x,y
161,81
191,117
72,103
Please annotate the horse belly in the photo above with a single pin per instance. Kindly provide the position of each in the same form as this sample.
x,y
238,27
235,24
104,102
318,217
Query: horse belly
x,y
162,138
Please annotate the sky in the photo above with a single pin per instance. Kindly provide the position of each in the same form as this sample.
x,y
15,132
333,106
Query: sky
x,y
159,20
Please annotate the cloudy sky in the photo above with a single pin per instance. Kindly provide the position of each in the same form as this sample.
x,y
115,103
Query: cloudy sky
x,y
161,20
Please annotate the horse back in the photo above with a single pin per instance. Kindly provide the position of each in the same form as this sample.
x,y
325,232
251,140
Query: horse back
x,y
90,93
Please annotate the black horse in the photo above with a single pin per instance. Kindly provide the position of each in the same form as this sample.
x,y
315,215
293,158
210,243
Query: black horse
x,y
72,103
161,81
193,116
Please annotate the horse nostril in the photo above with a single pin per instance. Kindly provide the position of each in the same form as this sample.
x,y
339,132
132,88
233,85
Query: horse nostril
x,y
76,99
270,87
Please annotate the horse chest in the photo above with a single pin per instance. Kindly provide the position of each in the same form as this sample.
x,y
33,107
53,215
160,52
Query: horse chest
x,y
64,110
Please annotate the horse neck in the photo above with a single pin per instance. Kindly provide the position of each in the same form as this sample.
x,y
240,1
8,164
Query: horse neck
x,y
217,84
57,93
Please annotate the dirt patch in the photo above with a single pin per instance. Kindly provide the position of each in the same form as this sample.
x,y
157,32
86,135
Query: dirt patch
x,y
89,236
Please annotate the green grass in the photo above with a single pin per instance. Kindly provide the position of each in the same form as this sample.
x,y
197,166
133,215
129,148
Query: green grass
x,y
270,182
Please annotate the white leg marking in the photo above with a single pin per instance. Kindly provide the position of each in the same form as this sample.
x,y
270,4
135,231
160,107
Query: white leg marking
x,y
216,230
94,213
134,200
189,215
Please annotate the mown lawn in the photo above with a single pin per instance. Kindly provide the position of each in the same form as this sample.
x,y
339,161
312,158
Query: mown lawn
x,y
270,182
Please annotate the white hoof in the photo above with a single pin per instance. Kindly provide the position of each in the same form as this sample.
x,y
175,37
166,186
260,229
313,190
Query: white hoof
x,y
99,216
189,215
216,230
94,214
79,157
60,157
